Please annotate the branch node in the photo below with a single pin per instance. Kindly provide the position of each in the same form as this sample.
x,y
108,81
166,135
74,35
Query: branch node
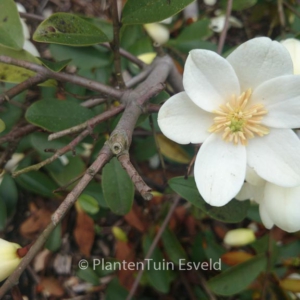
x,y
118,142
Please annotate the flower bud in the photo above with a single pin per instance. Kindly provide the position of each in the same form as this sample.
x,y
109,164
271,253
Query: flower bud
x,y
9,259
159,33
239,237
119,234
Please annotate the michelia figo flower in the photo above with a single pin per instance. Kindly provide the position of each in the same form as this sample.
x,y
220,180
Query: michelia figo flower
x,y
239,237
293,46
241,109
278,205
9,260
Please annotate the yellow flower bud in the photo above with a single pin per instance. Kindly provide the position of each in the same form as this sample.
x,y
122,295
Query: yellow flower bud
x,y
119,234
9,259
239,237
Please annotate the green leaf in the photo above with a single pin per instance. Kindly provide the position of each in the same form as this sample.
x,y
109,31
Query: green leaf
x,y
74,168
193,37
156,269
118,189
88,275
54,66
150,11
68,29
115,291
3,215
173,247
233,212
54,241
11,31
2,125
9,193
38,183
56,115
83,57
238,278
88,203
13,74
240,4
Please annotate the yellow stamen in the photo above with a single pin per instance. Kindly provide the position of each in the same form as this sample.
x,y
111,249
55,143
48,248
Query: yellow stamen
x,y
238,120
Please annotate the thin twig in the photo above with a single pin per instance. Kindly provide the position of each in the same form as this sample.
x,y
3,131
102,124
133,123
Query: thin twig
x,y
65,77
224,31
152,247
31,17
140,77
91,123
115,44
281,13
135,177
58,153
19,88
17,133
291,8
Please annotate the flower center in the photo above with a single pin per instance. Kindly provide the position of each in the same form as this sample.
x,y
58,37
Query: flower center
x,y
238,121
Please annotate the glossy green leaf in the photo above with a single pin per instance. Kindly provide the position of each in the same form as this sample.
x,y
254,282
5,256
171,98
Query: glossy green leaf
x,y
172,246
56,115
83,57
54,241
88,275
88,203
13,74
3,215
118,189
150,11
37,183
156,272
74,168
68,29
238,278
54,66
9,193
11,31
233,212
2,125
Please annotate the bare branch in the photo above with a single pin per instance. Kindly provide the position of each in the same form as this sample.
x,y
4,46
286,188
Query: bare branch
x,y
139,183
17,133
65,77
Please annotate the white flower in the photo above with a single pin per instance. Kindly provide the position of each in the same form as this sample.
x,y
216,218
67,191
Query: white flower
x,y
293,46
9,260
159,33
278,205
241,109
239,237
210,2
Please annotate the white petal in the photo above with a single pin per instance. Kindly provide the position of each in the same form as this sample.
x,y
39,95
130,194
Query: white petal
x,y
209,79
281,98
264,215
293,46
183,121
276,157
217,23
283,206
28,46
253,178
220,170
159,33
245,193
259,60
